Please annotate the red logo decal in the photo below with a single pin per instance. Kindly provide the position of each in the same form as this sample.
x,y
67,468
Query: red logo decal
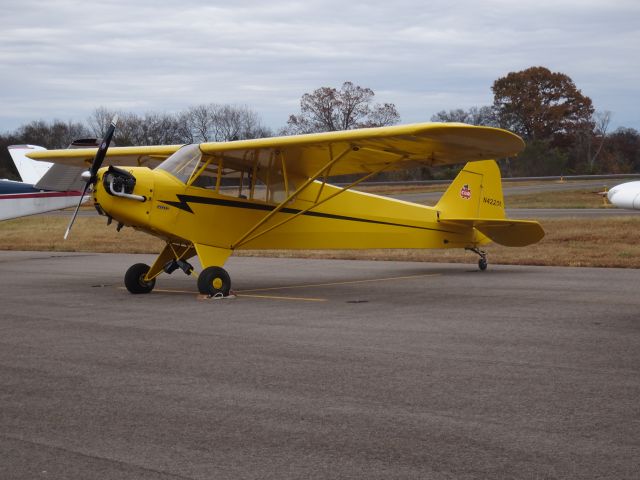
x,y
465,192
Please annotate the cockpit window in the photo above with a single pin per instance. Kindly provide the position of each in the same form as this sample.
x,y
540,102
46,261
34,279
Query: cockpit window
x,y
250,175
183,163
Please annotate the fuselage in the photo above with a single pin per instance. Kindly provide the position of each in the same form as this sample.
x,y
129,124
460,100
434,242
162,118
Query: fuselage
x,y
19,199
164,206
625,195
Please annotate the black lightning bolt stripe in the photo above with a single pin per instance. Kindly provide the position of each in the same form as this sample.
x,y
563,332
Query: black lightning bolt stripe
x,y
183,204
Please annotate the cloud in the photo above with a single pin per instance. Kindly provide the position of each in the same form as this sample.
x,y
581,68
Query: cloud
x,y
63,59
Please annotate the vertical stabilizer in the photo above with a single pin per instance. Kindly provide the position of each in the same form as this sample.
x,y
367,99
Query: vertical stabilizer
x,y
30,170
475,193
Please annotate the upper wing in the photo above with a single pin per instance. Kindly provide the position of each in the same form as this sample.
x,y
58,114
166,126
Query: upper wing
x,y
361,151
369,149
118,156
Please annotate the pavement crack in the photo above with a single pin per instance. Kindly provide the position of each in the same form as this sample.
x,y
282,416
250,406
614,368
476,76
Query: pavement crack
x,y
94,456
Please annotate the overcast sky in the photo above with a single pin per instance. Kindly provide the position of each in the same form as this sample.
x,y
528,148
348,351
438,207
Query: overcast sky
x,y
62,59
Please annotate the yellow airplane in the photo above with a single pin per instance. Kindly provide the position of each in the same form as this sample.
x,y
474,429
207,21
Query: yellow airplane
x,y
210,199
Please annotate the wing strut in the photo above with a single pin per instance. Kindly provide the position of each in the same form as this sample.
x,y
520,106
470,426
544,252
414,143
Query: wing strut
x,y
282,204
316,204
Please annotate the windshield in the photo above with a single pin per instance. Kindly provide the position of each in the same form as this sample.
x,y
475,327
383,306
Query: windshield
x,y
238,174
183,163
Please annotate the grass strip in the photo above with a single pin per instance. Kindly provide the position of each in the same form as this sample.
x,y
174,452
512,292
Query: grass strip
x,y
575,242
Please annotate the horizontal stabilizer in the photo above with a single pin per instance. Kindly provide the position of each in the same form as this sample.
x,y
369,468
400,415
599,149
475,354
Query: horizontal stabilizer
x,y
510,233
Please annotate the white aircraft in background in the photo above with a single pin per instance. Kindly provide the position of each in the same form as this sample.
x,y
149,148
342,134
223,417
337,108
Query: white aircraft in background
x,y
625,195
19,199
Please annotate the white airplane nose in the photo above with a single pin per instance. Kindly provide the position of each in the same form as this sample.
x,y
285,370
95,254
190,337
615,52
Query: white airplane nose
x,y
626,195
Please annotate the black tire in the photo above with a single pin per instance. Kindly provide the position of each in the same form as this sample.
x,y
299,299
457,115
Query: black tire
x,y
214,281
134,279
482,264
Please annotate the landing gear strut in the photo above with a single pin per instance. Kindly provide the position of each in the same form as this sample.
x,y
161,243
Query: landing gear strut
x,y
141,278
173,265
213,281
482,263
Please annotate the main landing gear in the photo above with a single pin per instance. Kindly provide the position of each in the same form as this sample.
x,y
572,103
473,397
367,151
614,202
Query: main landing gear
x,y
482,263
141,278
213,281
137,280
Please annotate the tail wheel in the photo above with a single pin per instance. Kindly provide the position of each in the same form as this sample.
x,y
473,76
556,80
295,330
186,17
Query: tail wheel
x,y
214,281
482,263
134,279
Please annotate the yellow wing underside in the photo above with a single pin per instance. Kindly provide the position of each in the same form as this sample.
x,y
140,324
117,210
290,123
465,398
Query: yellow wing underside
x,y
362,151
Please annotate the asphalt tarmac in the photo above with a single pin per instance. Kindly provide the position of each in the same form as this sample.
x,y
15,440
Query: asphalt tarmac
x,y
317,370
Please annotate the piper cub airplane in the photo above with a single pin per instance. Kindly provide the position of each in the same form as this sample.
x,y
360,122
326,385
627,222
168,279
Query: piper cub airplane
x,y
210,199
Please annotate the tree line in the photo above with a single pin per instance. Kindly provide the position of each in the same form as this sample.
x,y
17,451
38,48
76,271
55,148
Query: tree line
x,y
563,132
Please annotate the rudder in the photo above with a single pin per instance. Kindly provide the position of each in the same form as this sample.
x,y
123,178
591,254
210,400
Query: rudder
x,y
30,170
475,200
475,193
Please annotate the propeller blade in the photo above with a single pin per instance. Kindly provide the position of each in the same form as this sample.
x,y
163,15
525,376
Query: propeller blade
x,y
75,214
102,150
95,166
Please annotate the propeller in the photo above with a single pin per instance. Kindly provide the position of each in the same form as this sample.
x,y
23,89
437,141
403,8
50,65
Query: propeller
x,y
91,175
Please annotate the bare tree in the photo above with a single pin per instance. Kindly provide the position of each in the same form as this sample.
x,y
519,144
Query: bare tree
x,y
237,123
601,121
199,121
457,115
152,128
622,151
219,123
382,115
159,129
99,121
129,129
330,109
590,141
57,134
228,123
485,115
